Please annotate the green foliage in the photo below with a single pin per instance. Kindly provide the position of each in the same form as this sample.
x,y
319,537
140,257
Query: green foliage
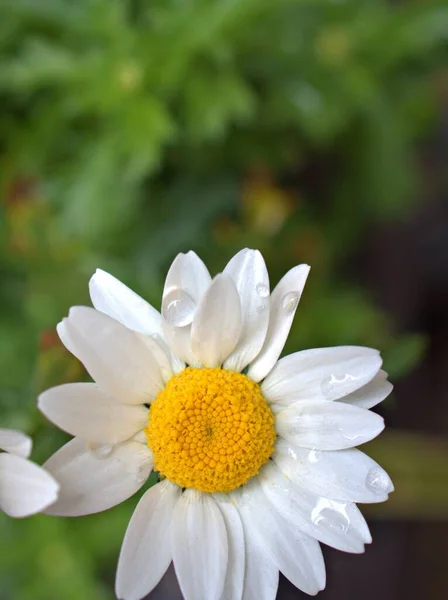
x,y
134,129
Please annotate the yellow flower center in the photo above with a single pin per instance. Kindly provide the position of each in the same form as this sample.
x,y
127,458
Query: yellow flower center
x,y
210,430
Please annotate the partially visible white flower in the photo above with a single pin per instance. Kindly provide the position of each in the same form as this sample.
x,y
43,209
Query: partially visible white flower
x,y
258,454
25,488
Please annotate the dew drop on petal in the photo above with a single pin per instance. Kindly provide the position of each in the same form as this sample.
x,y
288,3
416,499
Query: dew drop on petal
x,y
262,290
178,307
378,481
262,308
290,302
334,381
331,514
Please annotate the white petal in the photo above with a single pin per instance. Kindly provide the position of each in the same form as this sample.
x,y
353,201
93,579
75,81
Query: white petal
x,y
250,275
338,524
261,575
15,442
146,551
83,410
179,342
371,394
25,488
327,425
341,475
297,555
199,545
186,282
320,374
283,304
112,297
217,323
116,358
233,586
163,356
92,483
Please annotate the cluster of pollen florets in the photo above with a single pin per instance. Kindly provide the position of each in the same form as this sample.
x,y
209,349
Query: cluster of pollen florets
x,y
210,429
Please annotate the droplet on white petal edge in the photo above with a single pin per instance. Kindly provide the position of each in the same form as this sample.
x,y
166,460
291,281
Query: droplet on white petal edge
x,y
178,307
262,290
290,302
378,481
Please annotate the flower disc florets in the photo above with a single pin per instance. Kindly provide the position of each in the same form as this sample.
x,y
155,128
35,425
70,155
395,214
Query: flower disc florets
x,y
210,430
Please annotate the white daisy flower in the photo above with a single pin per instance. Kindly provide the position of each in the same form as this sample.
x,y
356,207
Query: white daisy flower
x,y
256,455
25,488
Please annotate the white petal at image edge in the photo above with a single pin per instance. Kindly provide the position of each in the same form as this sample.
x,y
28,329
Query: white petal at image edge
x,y
25,488
199,545
146,551
15,442
234,582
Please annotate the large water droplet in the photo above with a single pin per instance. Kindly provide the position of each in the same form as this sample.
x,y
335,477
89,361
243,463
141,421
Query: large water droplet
x,y
262,290
378,481
290,302
101,450
178,307
332,514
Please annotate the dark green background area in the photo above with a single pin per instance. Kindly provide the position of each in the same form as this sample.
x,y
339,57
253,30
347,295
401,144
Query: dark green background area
x,y
312,130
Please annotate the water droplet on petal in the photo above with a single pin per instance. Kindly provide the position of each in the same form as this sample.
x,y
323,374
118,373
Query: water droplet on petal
x,y
101,450
334,381
331,514
290,302
178,307
378,481
262,290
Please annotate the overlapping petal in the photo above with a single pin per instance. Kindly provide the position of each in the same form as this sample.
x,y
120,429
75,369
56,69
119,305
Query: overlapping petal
x,y
83,410
217,323
112,297
370,394
346,475
297,555
320,374
199,544
283,305
250,275
116,358
92,482
234,582
186,282
146,551
338,524
327,425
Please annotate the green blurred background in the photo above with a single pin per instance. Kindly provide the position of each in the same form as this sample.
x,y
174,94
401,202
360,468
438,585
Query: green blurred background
x,y
131,130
